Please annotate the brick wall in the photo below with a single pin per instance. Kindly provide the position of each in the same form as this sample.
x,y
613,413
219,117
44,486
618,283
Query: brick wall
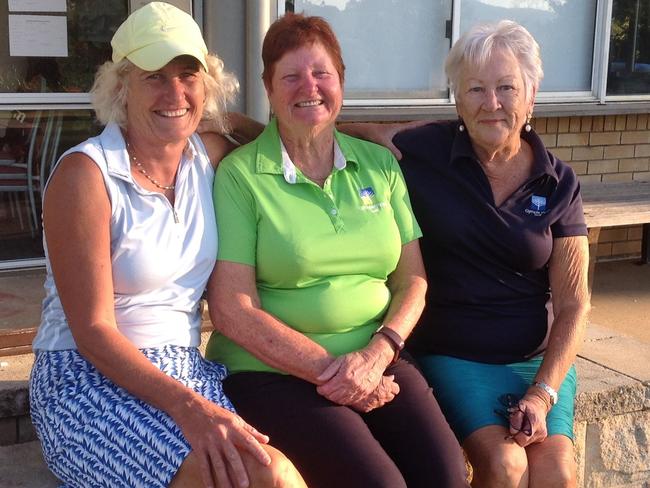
x,y
603,148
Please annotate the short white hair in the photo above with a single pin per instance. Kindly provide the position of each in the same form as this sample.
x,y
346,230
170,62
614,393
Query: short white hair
x,y
109,92
475,47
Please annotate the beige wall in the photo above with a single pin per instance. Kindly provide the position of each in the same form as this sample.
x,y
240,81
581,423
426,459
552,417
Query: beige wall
x,y
603,149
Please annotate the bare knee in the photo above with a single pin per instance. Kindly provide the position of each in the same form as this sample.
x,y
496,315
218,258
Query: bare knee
x,y
502,469
496,462
188,473
561,476
281,473
552,464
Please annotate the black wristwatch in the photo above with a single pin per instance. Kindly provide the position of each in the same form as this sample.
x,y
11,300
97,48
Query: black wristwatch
x,y
394,338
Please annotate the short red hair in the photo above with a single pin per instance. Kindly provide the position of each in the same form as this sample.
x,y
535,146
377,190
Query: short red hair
x,y
293,31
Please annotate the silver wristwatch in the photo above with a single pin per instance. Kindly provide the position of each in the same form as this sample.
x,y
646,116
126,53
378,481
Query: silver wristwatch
x,y
551,392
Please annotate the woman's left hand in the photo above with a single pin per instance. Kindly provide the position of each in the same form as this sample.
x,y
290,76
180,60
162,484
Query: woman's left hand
x,y
533,408
352,377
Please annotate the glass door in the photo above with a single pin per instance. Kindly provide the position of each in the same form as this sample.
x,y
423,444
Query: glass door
x,y
49,53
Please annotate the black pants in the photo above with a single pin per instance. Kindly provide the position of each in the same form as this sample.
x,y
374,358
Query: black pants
x,y
407,442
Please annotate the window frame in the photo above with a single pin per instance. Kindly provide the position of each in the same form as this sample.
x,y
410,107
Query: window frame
x,y
586,102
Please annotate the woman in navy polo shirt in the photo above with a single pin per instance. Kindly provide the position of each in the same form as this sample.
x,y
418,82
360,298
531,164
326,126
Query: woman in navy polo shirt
x,y
506,255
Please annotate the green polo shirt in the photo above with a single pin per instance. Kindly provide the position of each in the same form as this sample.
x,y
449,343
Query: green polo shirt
x,y
321,255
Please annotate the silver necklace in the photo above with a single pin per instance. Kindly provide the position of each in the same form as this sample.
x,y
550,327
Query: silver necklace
x,y
141,169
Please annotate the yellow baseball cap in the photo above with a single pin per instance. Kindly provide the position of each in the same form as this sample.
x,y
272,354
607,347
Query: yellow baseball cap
x,y
155,34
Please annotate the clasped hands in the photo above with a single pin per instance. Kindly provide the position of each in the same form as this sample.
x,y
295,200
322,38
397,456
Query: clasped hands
x,y
357,380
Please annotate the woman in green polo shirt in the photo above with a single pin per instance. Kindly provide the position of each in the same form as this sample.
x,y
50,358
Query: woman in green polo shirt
x,y
319,280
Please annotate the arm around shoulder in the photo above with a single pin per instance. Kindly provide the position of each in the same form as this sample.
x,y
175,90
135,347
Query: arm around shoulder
x,y
243,129
217,146
382,134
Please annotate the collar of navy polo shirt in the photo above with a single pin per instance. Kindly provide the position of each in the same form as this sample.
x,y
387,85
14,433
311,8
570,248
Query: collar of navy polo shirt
x,y
542,165
271,153
118,162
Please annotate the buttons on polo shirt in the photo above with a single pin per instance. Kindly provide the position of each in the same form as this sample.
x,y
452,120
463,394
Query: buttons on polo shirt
x,y
335,218
329,207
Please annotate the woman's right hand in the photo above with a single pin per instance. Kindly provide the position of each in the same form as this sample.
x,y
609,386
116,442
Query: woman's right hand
x,y
352,377
217,436
384,393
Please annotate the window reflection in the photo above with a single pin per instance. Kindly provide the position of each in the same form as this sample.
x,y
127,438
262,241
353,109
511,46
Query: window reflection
x,y
90,26
629,51
555,24
400,50
30,143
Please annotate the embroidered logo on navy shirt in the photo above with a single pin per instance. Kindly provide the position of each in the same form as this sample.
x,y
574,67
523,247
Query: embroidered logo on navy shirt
x,y
537,206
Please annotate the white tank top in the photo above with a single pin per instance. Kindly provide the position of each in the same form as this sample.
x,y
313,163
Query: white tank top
x,y
161,255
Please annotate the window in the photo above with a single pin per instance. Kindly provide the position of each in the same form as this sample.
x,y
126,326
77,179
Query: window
x,y
395,50
563,29
629,48
385,62
66,72
48,59
30,142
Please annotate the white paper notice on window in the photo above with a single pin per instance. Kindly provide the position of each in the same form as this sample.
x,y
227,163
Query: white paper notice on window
x,y
37,6
38,35
184,5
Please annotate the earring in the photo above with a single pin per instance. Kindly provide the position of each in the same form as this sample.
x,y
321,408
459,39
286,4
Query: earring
x,y
461,125
527,127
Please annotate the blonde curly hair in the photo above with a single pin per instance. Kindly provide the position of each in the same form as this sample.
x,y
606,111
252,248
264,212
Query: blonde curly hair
x,y
110,89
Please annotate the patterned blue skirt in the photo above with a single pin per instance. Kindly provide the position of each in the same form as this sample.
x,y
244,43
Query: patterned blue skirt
x,y
96,434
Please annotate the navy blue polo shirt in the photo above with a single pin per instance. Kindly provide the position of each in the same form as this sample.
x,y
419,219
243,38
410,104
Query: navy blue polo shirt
x,y
487,266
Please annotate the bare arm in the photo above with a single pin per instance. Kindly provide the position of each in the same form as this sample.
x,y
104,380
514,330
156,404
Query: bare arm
x,y
243,129
79,250
408,285
380,133
352,377
568,278
236,312
217,147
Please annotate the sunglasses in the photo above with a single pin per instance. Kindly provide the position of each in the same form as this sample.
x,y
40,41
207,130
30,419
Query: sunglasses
x,y
511,404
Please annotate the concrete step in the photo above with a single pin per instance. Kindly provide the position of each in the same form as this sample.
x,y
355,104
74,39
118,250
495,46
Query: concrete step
x,y
22,466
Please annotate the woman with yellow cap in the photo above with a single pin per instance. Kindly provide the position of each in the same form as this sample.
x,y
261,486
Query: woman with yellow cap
x,y
120,395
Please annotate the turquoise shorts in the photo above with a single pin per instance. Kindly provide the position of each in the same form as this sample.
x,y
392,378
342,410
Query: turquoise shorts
x,y
468,392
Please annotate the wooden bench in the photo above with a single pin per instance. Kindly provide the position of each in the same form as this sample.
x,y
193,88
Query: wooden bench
x,y
616,204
